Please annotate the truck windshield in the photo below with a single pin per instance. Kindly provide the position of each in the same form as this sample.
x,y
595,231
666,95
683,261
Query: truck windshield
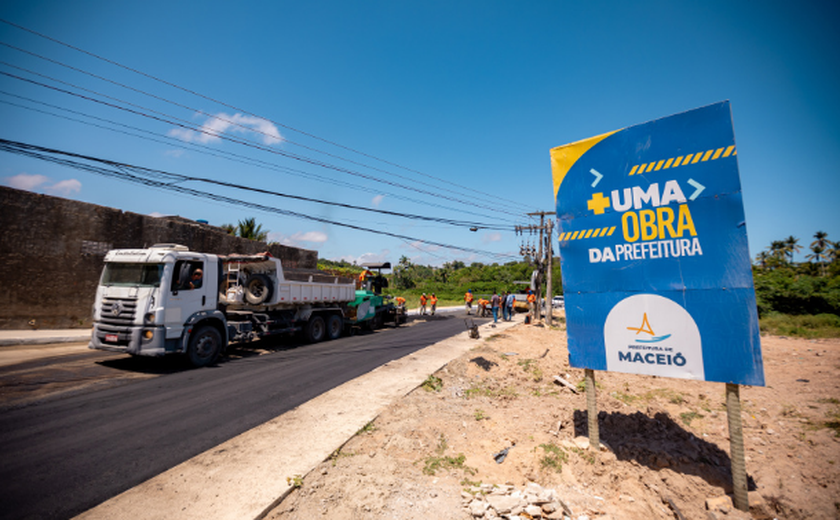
x,y
144,275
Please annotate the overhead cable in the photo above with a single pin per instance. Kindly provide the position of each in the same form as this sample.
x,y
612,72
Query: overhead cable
x,y
171,182
208,98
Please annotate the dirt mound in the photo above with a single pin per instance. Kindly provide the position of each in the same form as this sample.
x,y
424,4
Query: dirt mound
x,y
496,417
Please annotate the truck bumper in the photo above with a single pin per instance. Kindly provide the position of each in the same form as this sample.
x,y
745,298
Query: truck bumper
x,y
132,341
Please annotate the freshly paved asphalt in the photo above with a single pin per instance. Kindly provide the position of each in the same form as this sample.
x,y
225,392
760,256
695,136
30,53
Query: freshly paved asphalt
x,y
61,457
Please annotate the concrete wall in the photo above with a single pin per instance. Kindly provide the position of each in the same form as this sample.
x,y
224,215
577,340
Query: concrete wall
x,y
53,250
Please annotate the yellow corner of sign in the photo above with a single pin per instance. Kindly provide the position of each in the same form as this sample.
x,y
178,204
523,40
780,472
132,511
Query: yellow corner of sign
x,y
563,157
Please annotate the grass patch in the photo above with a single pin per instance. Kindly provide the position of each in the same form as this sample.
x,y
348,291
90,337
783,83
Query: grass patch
x,y
804,326
586,455
834,422
368,428
659,393
433,463
296,481
687,417
480,415
531,366
553,457
483,391
432,384
338,454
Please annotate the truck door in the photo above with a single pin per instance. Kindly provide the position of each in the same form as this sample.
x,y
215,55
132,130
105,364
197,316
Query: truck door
x,y
188,293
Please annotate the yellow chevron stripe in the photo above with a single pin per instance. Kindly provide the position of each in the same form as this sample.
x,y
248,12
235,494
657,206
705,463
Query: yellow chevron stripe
x,y
682,160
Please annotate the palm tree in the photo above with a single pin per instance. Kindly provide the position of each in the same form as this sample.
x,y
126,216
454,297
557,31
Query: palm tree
x,y
230,229
834,252
792,246
821,240
778,249
249,229
818,256
761,259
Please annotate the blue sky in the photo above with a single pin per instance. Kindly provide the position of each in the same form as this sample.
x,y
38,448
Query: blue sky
x,y
455,96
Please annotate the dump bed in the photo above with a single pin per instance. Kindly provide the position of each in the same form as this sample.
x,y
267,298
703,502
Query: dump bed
x,y
260,280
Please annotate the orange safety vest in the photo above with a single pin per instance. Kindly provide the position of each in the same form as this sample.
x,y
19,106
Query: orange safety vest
x,y
400,300
532,298
433,300
468,297
422,300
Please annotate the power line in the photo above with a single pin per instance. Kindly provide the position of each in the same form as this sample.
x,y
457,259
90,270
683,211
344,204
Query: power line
x,y
210,116
229,155
208,98
168,181
245,142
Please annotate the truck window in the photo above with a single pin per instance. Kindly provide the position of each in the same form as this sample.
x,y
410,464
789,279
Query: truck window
x,y
143,275
189,274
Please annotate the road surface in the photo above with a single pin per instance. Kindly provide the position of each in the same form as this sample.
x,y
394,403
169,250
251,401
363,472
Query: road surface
x,y
71,451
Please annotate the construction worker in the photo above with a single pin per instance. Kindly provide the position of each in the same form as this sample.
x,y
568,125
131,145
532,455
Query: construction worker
x,y
482,307
433,302
362,277
400,301
468,299
423,303
532,298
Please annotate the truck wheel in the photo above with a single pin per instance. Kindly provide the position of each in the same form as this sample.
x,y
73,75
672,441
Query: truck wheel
x,y
258,289
335,326
315,329
205,345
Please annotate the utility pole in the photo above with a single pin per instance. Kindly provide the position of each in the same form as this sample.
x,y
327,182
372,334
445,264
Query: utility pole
x,y
543,259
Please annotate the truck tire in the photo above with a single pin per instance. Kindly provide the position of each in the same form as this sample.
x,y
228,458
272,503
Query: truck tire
x,y
316,330
258,289
205,345
335,326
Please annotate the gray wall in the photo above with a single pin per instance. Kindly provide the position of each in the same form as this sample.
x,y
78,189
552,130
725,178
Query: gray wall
x,y
52,253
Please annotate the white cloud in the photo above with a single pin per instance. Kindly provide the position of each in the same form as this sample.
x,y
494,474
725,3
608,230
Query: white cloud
x,y
491,237
310,236
296,239
377,200
28,182
174,153
368,258
25,181
217,125
64,188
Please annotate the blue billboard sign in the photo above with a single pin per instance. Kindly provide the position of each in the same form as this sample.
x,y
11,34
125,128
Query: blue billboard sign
x,y
653,247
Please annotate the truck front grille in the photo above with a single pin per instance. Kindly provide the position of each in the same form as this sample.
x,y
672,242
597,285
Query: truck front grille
x,y
116,319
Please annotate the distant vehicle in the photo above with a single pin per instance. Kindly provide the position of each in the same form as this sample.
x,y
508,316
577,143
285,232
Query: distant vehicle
x,y
558,302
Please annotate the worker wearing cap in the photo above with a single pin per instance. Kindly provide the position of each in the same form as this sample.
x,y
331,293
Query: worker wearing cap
x,y
423,303
433,302
468,298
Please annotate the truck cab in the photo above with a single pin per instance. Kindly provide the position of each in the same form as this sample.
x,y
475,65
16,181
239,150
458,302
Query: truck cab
x,y
157,301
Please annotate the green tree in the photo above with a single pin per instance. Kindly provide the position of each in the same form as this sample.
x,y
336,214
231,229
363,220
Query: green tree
x,y
792,246
230,229
249,229
404,274
818,256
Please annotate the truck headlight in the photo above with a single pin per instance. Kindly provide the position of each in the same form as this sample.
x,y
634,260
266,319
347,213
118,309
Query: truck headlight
x,y
148,334
150,318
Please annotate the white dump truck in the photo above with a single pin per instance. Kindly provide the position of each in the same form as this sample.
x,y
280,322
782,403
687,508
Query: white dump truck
x,y
170,300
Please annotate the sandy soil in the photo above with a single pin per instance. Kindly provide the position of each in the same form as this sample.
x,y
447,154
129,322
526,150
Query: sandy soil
x,y
668,439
